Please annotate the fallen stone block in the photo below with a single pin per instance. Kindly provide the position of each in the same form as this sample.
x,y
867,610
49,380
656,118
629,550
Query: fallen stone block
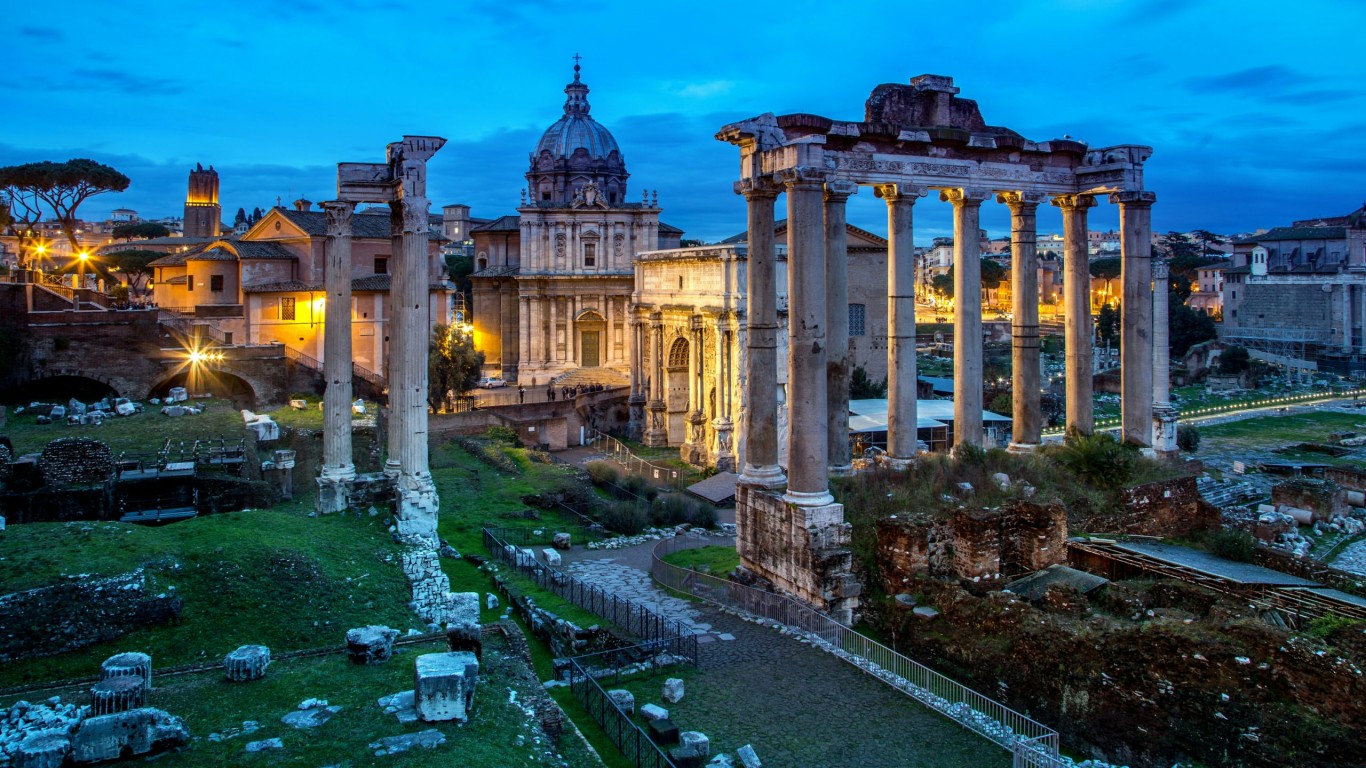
x,y
127,734
673,690
373,644
561,541
747,757
466,637
925,613
654,712
625,700
138,664
491,601
663,731
552,557
445,686
400,705
392,745
312,717
247,662
117,694
45,749
264,744
695,741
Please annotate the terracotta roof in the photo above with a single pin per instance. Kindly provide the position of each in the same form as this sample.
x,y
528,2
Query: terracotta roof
x,y
366,284
210,254
169,260
496,272
1296,233
363,225
500,224
177,280
259,249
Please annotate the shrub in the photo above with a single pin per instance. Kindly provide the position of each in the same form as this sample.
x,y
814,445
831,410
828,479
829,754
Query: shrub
x,y
676,509
1097,460
625,517
636,486
603,472
1187,438
500,434
1327,625
1234,544
1003,404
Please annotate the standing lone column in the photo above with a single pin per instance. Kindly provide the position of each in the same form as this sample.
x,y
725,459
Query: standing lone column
x,y
1077,308
761,301
1136,321
398,373
338,468
808,465
1164,415
902,418
417,499
967,314
838,357
1024,348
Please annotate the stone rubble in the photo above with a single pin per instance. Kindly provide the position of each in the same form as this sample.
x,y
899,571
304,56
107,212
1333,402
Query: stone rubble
x,y
401,705
392,745
673,690
264,744
747,757
247,662
373,644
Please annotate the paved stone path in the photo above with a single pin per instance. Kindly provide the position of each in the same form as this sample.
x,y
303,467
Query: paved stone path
x,y
1352,558
797,705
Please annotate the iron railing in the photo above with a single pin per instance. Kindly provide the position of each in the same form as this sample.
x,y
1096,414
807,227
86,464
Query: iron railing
x,y
659,474
633,742
1007,728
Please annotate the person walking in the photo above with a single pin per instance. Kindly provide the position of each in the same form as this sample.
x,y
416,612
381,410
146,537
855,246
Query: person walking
x,y
521,394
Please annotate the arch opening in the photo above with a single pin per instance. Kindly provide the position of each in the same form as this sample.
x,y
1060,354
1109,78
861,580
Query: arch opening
x,y
218,383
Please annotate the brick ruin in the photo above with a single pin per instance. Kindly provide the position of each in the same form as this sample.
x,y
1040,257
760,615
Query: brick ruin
x,y
978,544
1160,508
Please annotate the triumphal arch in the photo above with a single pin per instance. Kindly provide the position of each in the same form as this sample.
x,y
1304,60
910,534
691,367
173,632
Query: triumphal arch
x,y
914,140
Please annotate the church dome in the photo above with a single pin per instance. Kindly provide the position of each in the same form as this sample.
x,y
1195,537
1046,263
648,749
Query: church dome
x,y
575,151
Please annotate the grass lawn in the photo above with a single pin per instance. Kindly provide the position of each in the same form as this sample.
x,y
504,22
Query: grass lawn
x,y
1275,431
714,560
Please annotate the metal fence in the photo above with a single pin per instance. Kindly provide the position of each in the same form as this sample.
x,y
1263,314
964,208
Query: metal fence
x,y
633,742
628,615
1004,726
659,474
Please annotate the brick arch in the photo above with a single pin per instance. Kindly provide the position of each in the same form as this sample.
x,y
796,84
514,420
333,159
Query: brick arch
x,y
117,385
223,382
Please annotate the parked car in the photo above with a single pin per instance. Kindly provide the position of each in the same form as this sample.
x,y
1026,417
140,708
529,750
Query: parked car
x,y
491,382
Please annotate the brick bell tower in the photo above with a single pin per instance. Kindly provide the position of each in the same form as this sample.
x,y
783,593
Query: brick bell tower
x,y
203,216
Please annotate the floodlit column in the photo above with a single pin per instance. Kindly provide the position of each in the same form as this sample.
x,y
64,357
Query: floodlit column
x,y
1164,415
1136,321
761,381
337,467
807,446
967,314
1077,308
523,339
902,419
398,371
839,359
1024,351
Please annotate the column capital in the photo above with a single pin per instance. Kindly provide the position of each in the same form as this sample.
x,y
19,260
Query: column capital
x,y
903,193
1024,200
1138,198
802,176
839,191
757,188
1160,269
1071,202
338,217
964,196
414,212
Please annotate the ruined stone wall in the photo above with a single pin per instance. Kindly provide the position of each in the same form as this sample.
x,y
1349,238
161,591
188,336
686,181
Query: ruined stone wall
x,y
1161,508
78,612
1325,499
1019,537
803,551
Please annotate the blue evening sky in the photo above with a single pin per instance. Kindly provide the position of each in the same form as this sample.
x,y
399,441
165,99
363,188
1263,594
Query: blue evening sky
x,y
1255,109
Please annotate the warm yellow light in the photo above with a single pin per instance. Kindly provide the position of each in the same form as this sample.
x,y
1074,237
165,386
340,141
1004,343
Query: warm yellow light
x,y
83,255
196,356
41,249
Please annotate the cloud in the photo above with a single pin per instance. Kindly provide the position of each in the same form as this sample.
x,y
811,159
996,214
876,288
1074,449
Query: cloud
x,y
45,34
704,90
100,80
1265,79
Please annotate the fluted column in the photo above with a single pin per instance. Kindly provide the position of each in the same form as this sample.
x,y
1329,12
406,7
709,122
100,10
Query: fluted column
x,y
1024,285
761,381
1136,319
1077,308
338,467
967,314
902,419
838,357
397,370
808,465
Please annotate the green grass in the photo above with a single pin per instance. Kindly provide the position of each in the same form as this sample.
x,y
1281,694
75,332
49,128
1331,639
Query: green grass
x,y
1275,431
714,560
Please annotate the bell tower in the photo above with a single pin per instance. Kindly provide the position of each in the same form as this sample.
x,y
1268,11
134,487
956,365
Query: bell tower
x,y
203,216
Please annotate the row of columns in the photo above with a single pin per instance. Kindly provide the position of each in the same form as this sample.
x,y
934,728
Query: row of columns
x,y
818,325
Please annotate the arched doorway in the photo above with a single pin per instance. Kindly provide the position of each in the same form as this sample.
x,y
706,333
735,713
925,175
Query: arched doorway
x,y
215,382
592,331
676,392
61,388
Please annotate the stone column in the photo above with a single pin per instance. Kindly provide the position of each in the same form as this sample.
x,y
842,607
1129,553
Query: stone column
x,y
1136,321
839,359
523,339
1077,309
695,445
1024,287
902,419
721,423
417,499
967,314
657,434
636,426
808,464
761,301
1164,415
337,468
1346,292
398,373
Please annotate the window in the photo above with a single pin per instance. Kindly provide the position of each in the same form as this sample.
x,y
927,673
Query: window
x,y
857,313
590,254
189,282
287,308
381,265
216,283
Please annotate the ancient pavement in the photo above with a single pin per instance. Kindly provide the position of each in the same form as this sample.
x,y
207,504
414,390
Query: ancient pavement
x,y
797,705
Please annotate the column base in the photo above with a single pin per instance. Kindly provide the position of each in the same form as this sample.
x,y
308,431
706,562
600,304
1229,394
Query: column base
x,y
809,498
1164,430
725,462
392,469
800,551
635,427
895,463
1023,447
334,490
769,476
843,470
417,505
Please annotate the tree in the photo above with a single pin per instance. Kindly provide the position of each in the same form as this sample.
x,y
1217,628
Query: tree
x,y
240,218
691,243
1107,324
1205,239
256,216
62,187
1188,327
944,283
453,365
133,263
1234,360
1187,438
140,230
992,274
862,387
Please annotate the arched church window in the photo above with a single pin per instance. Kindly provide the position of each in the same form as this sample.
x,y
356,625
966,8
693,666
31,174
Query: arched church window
x,y
678,353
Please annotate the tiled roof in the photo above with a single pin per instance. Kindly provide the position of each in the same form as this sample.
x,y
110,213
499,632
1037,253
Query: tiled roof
x,y
259,249
1296,233
169,260
1243,270
211,254
366,226
671,229
496,272
366,284
178,280
500,224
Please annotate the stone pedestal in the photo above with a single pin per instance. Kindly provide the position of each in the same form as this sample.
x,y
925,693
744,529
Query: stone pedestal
x,y
635,428
248,662
657,436
45,749
370,645
445,686
802,551
117,694
1164,432
416,506
135,664
725,458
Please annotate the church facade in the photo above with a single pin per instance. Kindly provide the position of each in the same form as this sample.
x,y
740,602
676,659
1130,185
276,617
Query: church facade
x,y
552,286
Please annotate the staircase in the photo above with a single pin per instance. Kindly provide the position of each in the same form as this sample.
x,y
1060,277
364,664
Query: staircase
x,y
1225,494
580,377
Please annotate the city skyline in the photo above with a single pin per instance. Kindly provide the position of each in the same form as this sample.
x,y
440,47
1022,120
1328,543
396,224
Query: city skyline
x,y
1247,134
